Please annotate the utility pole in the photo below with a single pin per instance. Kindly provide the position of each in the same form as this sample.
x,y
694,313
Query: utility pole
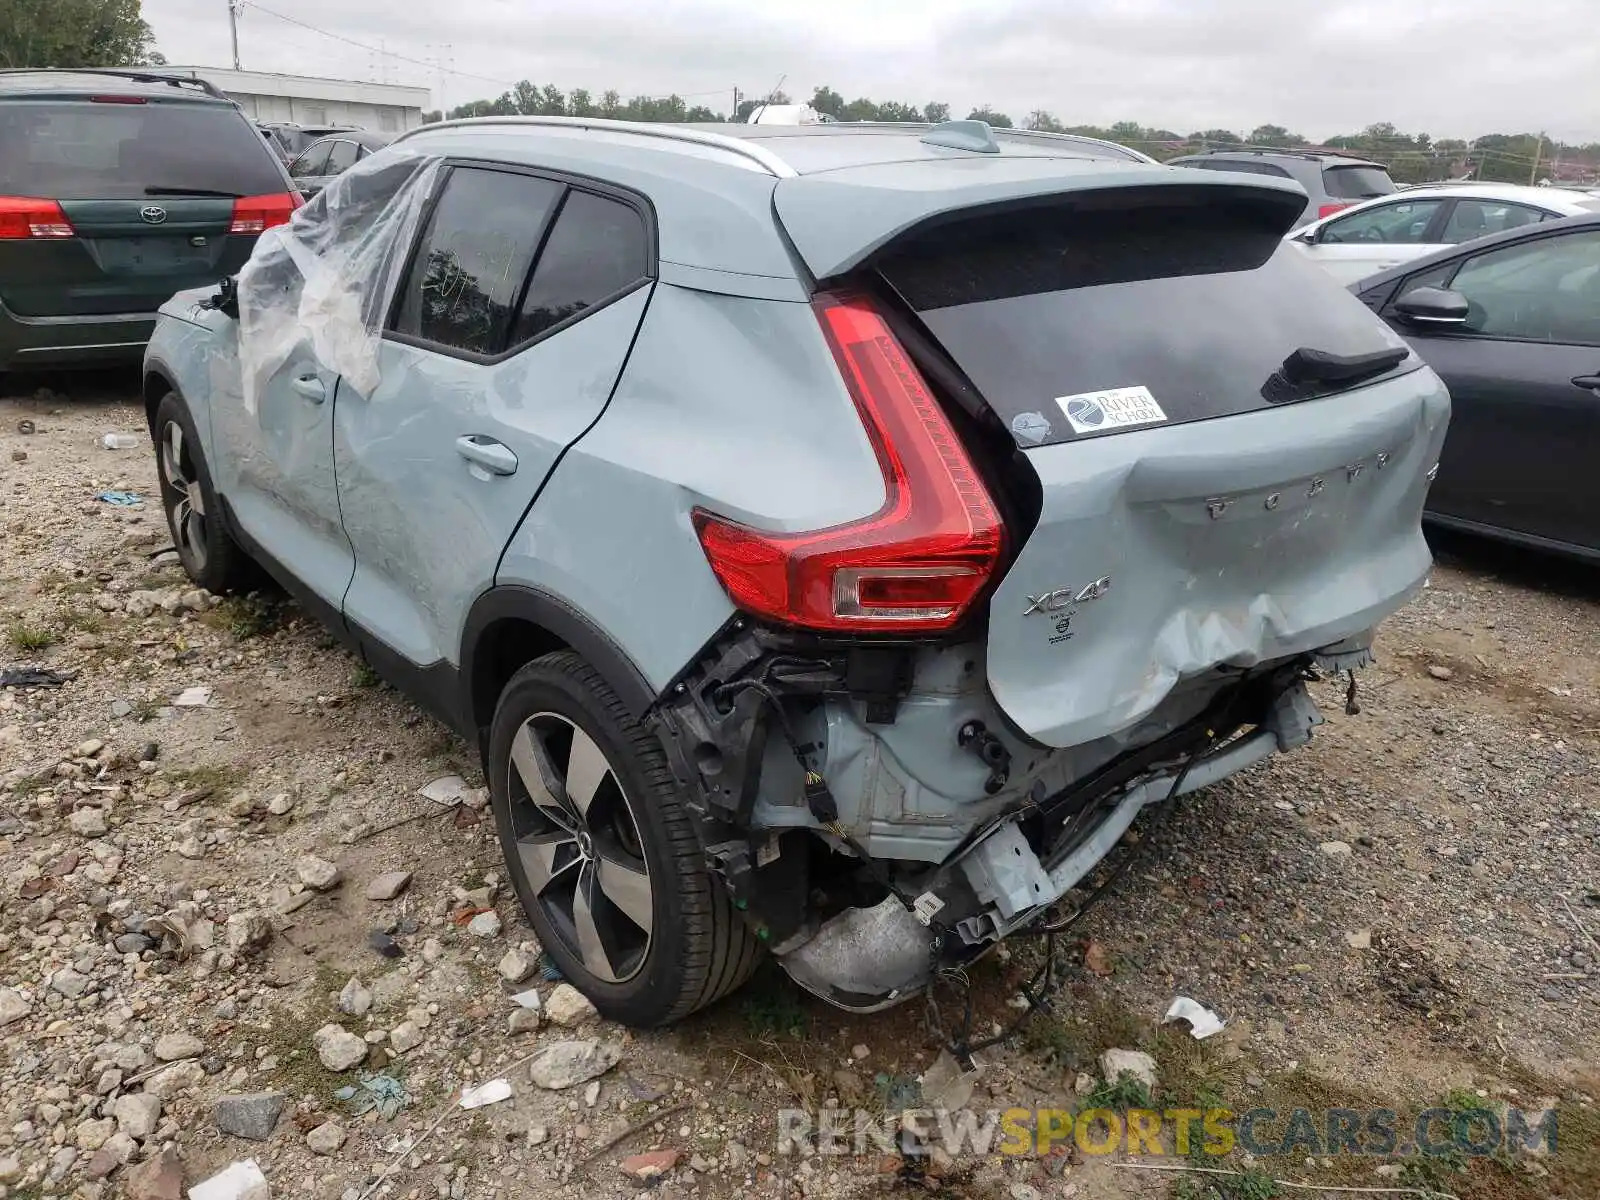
x,y
1538,149
734,115
233,28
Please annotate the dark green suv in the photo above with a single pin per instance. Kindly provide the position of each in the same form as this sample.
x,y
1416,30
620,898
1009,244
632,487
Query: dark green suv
x,y
117,189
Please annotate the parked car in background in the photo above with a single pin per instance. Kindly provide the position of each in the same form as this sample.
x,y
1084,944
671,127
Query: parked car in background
x,y
831,536
117,189
329,157
1332,182
1396,229
292,138
1512,325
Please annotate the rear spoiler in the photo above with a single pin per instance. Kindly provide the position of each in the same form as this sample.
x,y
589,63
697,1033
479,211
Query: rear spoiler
x,y
838,220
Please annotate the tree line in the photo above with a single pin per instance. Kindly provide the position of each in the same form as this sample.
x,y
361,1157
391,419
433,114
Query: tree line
x,y
1411,158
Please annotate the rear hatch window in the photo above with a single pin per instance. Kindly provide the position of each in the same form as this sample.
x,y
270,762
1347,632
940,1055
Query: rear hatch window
x,y
1356,182
84,150
1122,309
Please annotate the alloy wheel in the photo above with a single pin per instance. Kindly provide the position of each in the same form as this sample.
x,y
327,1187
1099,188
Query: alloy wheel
x,y
182,498
577,842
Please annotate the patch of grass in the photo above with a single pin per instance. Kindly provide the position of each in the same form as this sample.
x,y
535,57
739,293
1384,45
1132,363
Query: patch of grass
x,y
1251,1184
156,581
29,638
770,1004
246,617
1084,1024
84,620
77,587
363,676
220,780
1127,1092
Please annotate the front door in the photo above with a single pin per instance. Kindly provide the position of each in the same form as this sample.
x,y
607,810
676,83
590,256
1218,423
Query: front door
x,y
1378,237
511,328
1524,380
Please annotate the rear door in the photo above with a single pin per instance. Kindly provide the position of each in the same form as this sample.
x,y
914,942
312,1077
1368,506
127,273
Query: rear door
x,y
310,167
1210,494
1363,243
1524,379
147,190
510,330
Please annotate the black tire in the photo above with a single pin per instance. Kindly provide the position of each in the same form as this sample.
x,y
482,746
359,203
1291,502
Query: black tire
x,y
697,949
206,549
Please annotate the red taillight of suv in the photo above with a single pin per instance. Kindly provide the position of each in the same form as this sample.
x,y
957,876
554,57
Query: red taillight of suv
x,y
1327,210
26,217
920,562
256,214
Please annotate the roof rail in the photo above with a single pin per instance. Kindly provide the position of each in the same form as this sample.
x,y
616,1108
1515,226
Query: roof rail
x,y
134,74
751,151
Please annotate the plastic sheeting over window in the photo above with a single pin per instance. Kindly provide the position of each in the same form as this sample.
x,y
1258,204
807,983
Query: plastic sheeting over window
x,y
324,280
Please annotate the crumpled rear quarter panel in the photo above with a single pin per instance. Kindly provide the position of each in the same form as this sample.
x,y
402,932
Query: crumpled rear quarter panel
x,y
1233,541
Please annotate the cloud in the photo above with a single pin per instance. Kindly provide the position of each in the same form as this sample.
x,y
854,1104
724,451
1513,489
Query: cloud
x,y
1450,67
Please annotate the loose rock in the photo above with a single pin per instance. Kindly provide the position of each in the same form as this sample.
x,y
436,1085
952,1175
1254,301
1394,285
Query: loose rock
x,y
338,1048
485,925
516,966
88,822
13,1006
405,1036
568,1007
327,1138
388,885
650,1166
175,1047
1114,1063
318,874
137,1114
248,932
158,1178
356,999
566,1064
253,1117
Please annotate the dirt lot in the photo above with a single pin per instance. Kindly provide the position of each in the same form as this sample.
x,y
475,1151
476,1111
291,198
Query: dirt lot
x,y
1402,915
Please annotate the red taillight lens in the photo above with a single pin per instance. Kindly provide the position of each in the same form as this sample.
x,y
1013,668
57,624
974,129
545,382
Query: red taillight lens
x,y
1327,210
26,217
254,214
921,561
116,99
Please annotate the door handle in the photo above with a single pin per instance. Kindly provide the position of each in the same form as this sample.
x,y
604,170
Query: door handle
x,y
312,388
495,457
1590,382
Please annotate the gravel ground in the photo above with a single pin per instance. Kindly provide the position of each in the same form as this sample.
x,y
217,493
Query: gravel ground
x,y
1403,912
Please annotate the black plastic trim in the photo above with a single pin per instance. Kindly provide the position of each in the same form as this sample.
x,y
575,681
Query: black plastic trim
x,y
519,602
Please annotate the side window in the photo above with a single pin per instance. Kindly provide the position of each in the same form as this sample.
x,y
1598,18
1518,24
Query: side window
x,y
1402,223
341,157
1546,290
311,162
597,248
1479,218
469,266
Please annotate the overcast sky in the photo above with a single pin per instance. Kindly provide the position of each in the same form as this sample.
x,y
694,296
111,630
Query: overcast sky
x,y
1455,68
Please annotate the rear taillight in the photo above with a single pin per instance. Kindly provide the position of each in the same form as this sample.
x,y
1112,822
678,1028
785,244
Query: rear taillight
x,y
921,561
254,214
116,99
1327,210
26,217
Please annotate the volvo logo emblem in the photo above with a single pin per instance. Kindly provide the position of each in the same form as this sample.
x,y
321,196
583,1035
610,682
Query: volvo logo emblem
x,y
153,214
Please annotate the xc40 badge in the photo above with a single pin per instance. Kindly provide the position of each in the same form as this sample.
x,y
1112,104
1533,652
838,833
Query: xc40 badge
x,y
1061,605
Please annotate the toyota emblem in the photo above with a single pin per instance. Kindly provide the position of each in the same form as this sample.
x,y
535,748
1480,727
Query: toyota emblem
x,y
153,214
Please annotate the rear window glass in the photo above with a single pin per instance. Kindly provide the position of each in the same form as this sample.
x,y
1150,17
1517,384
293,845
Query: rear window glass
x,y
1198,302
81,150
1356,183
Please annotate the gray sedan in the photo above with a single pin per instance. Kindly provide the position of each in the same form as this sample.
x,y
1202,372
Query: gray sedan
x,y
332,156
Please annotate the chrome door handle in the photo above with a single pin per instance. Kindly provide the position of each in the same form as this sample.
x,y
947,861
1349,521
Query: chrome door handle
x,y
495,457
1591,382
312,388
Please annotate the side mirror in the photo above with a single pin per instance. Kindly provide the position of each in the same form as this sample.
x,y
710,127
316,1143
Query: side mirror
x,y
1433,307
1307,237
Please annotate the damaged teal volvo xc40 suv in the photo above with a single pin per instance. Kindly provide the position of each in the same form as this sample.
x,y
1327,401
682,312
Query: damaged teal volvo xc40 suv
x,y
831,536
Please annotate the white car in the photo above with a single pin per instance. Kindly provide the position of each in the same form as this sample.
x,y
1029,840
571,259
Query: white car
x,y
1382,233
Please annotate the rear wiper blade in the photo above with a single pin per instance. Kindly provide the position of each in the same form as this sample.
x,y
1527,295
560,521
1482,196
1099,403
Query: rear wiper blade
x,y
1306,365
183,191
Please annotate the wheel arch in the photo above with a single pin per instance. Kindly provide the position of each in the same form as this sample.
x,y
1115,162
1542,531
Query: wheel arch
x,y
157,383
510,625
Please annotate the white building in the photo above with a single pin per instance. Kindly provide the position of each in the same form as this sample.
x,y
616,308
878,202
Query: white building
x,y
307,100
